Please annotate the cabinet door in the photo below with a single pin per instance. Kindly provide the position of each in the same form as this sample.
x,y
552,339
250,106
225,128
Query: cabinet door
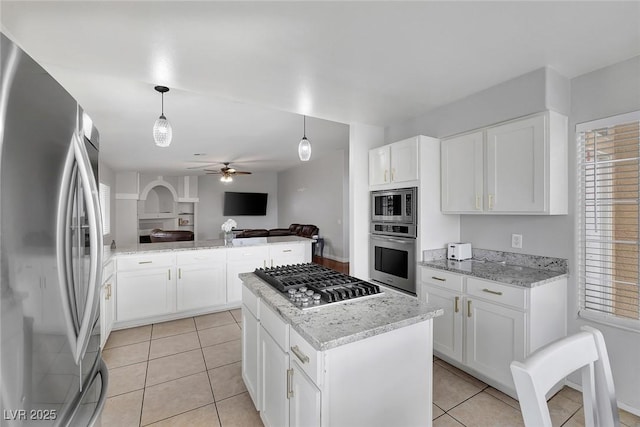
x,y
495,337
287,254
379,163
448,328
274,406
304,400
243,260
201,285
107,309
462,173
404,160
516,166
251,355
145,293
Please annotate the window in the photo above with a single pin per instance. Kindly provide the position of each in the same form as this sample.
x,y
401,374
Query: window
x,y
105,208
609,219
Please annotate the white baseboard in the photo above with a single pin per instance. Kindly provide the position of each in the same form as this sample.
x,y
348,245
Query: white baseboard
x,y
630,409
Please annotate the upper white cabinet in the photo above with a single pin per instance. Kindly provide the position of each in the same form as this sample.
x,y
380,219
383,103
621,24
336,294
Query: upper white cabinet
x,y
462,165
394,163
518,167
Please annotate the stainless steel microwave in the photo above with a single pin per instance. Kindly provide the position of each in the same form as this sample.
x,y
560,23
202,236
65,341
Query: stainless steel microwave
x,y
398,205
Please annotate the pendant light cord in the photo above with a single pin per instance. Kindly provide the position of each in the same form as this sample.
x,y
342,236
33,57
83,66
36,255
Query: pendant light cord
x,y
304,127
162,103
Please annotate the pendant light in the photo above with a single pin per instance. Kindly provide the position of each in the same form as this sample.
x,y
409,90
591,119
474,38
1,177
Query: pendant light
x,y
304,148
162,132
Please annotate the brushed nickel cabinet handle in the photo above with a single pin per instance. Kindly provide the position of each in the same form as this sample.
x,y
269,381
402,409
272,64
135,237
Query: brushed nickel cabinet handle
x,y
455,305
299,354
478,207
385,175
491,201
145,262
264,262
393,172
438,278
179,273
489,291
289,383
169,270
286,250
468,308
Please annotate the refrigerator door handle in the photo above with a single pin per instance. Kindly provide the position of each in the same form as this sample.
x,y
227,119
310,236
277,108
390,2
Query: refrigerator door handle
x,y
63,250
94,218
104,375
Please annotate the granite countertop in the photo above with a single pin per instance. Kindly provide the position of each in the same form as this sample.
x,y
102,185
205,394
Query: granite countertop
x,y
334,325
502,272
141,248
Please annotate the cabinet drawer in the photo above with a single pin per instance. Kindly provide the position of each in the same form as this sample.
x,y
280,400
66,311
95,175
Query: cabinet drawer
x,y
250,301
275,325
138,262
296,249
307,357
244,253
203,256
496,292
442,278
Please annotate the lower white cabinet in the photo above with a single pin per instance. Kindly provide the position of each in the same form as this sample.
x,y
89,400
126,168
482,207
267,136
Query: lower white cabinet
x,y
274,394
145,293
244,259
304,398
107,303
201,279
487,324
251,355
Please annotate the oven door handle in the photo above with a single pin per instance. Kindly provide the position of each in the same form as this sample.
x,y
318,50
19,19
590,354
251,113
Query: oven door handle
x,y
391,239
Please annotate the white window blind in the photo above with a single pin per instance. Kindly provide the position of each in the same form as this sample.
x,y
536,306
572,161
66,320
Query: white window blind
x,y
105,208
609,219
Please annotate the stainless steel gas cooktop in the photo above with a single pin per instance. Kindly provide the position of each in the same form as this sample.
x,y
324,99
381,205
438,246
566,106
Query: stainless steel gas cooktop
x,y
312,285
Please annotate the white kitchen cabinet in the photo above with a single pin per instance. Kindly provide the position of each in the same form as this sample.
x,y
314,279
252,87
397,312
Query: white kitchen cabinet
x,y
274,408
448,329
146,286
394,163
494,324
243,259
251,345
495,336
522,162
107,302
462,168
284,254
201,279
304,398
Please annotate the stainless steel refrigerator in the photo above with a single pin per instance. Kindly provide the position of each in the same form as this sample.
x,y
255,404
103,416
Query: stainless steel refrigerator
x,y
51,369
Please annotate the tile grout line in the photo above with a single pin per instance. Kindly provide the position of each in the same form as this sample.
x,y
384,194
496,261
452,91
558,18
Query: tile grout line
x,y
146,374
213,396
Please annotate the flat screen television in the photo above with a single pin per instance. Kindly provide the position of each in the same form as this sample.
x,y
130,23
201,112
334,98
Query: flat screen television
x,y
244,204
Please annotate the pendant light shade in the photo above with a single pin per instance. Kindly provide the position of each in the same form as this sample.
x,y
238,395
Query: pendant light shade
x,y
304,148
162,132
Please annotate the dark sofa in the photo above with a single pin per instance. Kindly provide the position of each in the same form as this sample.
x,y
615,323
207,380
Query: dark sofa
x,y
158,235
302,230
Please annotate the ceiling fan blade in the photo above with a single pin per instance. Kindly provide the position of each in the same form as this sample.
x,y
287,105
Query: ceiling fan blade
x,y
202,166
242,173
213,172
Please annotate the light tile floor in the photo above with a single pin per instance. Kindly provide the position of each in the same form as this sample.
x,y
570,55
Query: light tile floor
x,y
187,372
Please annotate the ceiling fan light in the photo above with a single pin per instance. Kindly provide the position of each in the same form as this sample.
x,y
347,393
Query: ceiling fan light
x,y
304,149
162,132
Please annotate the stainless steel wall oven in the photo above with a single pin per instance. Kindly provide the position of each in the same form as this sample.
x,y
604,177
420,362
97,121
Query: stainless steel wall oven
x,y
392,242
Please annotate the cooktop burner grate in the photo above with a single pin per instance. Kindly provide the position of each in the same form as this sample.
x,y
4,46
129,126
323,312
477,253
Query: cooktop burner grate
x,y
311,285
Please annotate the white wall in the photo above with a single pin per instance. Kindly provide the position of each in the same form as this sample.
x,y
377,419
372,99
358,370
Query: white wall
x,y
107,176
599,94
211,195
313,193
361,138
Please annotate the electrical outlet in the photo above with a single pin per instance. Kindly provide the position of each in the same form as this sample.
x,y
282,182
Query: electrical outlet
x,y
516,241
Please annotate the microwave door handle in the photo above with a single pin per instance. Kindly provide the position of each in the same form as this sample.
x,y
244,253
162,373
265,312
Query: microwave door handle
x,y
90,191
63,250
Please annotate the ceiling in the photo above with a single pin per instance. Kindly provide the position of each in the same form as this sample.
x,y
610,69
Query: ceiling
x,y
242,73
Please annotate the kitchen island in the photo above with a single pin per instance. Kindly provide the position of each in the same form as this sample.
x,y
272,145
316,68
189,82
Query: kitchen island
x,y
366,362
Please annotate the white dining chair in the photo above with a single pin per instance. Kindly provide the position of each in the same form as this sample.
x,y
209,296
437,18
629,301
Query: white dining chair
x,y
585,351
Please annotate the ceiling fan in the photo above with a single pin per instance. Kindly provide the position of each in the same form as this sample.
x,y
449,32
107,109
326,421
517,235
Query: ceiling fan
x,y
226,172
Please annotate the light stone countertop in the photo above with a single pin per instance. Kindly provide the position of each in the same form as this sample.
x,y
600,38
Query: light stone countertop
x,y
142,248
509,274
330,326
